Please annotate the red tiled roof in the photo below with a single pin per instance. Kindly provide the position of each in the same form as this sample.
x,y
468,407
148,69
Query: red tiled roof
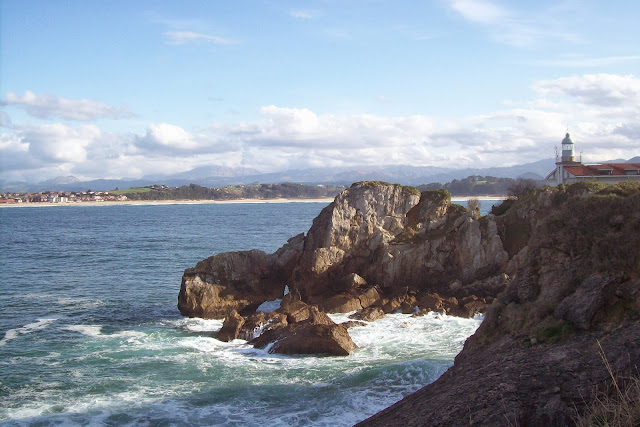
x,y
595,170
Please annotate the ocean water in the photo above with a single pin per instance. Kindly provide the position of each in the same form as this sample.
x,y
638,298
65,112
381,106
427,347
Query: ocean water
x,y
90,332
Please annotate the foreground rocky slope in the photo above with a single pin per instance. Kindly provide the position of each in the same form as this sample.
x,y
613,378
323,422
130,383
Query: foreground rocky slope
x,y
571,307
377,248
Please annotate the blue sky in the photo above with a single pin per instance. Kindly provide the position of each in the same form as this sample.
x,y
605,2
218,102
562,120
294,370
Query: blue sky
x,y
119,89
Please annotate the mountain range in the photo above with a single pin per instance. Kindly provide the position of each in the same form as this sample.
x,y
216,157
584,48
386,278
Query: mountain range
x,y
220,176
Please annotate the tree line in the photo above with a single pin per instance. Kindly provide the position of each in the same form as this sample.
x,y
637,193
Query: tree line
x,y
482,186
256,191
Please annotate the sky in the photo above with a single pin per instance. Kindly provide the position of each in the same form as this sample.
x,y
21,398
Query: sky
x,y
124,89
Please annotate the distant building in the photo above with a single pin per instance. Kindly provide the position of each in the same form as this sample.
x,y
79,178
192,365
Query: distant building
x,y
569,169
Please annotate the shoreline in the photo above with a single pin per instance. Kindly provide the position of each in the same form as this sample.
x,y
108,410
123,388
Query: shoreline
x,y
201,202
168,202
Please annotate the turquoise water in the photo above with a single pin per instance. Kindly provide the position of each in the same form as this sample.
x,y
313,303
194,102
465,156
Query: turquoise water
x,y
90,332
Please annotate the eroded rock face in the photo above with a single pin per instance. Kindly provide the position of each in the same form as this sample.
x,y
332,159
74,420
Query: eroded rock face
x,y
375,243
231,327
571,309
396,240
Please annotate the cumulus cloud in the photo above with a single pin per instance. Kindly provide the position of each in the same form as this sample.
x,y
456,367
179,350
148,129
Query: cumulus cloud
x,y
167,136
601,111
602,90
59,143
187,37
39,151
47,107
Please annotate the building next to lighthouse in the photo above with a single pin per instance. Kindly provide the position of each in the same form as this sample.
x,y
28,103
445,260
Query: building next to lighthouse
x,y
570,169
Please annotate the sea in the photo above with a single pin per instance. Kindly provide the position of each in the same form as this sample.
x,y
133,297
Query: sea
x,y
90,333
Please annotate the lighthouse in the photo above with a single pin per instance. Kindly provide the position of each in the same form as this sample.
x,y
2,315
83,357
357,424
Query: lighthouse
x,y
568,153
570,169
567,159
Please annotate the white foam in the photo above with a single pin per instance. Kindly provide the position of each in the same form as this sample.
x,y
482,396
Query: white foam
x,y
89,330
26,329
196,324
80,303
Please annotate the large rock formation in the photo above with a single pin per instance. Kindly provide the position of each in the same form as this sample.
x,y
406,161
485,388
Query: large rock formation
x,y
376,244
566,325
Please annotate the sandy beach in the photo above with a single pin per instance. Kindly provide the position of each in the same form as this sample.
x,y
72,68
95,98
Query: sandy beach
x,y
195,202
168,202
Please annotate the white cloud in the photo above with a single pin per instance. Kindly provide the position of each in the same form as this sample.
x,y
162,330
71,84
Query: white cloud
x,y
304,14
602,90
601,111
186,37
480,11
58,143
47,107
5,120
510,27
169,136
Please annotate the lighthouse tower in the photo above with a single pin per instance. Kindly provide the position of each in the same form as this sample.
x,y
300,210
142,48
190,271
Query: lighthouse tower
x,y
568,158
568,153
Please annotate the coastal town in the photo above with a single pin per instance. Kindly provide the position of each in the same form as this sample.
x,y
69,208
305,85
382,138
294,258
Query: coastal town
x,y
61,197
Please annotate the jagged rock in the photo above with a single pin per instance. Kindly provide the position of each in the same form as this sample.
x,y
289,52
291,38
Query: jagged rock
x,y
568,319
581,306
290,303
231,327
309,314
353,323
368,314
297,328
259,323
373,233
346,302
308,338
351,283
238,281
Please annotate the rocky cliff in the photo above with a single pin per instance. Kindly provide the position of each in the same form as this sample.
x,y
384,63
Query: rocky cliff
x,y
560,268
377,244
565,327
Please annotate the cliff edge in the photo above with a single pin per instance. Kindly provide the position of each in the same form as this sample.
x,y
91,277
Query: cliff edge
x,y
567,324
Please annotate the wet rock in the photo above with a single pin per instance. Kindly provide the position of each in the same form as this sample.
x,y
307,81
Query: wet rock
x,y
259,323
308,338
231,327
353,323
368,314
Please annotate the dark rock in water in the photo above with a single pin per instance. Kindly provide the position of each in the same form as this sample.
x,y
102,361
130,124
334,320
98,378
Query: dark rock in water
x,y
349,301
309,338
307,331
353,323
231,327
368,314
260,323
238,281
